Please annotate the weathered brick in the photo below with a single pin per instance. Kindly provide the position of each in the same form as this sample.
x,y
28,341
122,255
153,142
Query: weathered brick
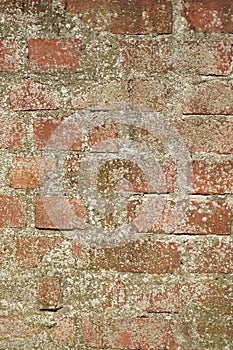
x,y
64,332
11,133
63,213
110,95
146,256
202,134
138,333
12,211
151,94
124,17
145,57
209,15
13,328
31,250
209,295
212,176
25,173
54,55
201,216
209,256
49,293
44,129
142,57
202,57
9,56
30,95
101,135
209,97
115,294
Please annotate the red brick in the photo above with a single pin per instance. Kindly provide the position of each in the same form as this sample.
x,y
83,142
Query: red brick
x,y
54,55
49,293
202,216
31,250
142,57
201,134
64,331
209,15
29,95
116,294
141,334
12,211
141,257
213,177
176,297
110,95
67,213
209,97
14,328
101,135
124,17
209,256
203,57
151,94
26,173
45,128
9,56
146,56
11,133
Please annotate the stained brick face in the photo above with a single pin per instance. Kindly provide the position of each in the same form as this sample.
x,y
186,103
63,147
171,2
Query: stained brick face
x,y
116,176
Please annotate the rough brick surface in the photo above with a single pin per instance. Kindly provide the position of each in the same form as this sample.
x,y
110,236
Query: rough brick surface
x,y
116,177
209,98
29,95
209,16
123,17
54,55
9,206
9,56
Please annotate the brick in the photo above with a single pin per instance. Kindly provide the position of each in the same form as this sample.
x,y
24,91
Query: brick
x,y
209,16
151,94
54,55
202,134
26,173
140,57
13,328
12,211
155,257
31,250
141,333
213,177
110,95
123,17
206,217
209,97
176,297
9,56
29,95
203,57
116,294
47,134
103,138
202,216
49,293
60,213
209,256
11,133
64,332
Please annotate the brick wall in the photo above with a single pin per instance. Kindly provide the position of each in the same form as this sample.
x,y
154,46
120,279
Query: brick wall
x,y
106,62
